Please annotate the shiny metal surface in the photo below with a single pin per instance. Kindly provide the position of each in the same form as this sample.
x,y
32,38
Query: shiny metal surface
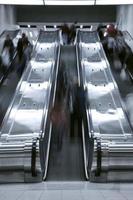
x,y
25,121
110,136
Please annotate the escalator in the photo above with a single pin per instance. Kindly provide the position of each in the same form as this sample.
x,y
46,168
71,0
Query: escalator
x,y
9,80
24,133
8,87
66,164
109,140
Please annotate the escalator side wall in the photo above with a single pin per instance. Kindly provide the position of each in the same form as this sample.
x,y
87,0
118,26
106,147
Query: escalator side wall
x,y
116,162
15,165
21,152
110,157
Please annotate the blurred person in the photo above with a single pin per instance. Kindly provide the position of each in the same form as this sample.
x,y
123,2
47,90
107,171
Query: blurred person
x,y
27,46
113,47
101,30
72,33
21,58
5,57
8,44
121,48
27,49
24,38
77,107
7,53
62,80
111,30
109,42
65,33
58,118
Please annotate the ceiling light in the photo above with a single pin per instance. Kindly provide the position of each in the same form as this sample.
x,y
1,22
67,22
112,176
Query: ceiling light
x,y
69,2
22,2
113,2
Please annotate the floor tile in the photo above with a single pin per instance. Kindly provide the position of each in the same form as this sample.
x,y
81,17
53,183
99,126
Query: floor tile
x,y
10,195
51,195
72,194
30,195
127,194
92,195
112,195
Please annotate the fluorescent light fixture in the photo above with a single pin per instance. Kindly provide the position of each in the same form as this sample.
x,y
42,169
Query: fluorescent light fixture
x,y
22,2
31,34
44,27
69,2
105,34
91,28
113,2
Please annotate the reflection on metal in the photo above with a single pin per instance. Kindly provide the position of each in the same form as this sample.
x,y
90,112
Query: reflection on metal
x,y
109,143
25,130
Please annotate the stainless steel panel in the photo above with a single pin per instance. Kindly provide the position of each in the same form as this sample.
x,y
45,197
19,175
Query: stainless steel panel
x,y
25,120
110,138
105,108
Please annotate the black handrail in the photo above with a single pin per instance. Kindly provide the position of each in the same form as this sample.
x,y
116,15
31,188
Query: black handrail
x,y
33,158
99,158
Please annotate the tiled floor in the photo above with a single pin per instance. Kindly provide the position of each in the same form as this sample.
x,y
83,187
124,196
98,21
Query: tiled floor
x,y
67,191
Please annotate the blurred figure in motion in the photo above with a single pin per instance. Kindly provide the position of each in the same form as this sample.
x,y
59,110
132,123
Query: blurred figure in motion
x,y
101,31
65,33
62,81
115,47
77,106
58,118
21,58
24,39
122,48
8,43
27,47
110,39
72,33
7,53
111,30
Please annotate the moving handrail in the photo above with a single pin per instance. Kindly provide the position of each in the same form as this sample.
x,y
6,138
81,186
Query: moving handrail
x,y
129,41
109,138
80,82
22,127
44,125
